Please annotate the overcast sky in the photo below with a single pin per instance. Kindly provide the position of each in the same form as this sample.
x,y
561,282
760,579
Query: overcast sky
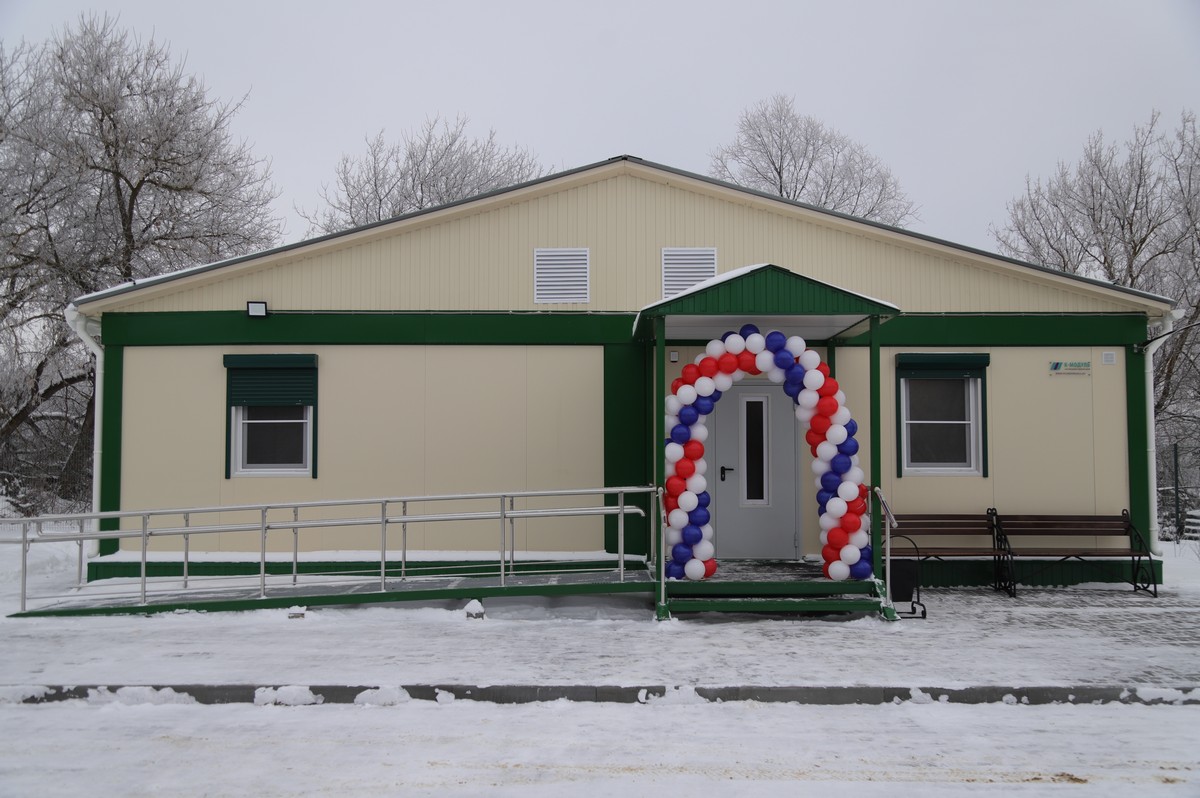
x,y
961,99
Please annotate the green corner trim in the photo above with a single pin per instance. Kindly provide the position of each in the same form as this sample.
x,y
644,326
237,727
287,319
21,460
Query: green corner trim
x,y
110,440
1140,502
625,434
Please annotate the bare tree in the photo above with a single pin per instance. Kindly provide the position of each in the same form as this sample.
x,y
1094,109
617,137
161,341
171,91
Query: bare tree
x,y
437,165
778,151
114,165
1129,215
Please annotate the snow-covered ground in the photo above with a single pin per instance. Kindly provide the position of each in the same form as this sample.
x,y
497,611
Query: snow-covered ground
x,y
138,741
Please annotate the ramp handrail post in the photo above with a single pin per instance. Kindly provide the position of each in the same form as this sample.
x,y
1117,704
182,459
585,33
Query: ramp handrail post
x,y
187,522
295,546
382,546
403,541
24,562
145,545
79,555
621,536
503,528
262,554
890,524
512,534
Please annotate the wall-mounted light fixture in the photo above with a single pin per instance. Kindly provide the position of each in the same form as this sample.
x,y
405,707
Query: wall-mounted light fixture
x,y
256,309
674,355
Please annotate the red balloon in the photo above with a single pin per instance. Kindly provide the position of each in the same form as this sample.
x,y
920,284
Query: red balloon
x,y
747,364
685,468
710,568
838,537
830,554
851,522
708,367
670,503
820,425
691,373
728,363
813,449
829,387
823,368
676,384
692,450
827,406
676,485
863,491
813,437
825,570
857,507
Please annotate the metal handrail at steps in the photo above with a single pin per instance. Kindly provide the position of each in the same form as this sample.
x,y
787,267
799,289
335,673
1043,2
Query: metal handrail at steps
x,y
505,512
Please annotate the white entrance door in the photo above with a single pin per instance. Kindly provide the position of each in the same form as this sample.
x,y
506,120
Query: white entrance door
x,y
752,473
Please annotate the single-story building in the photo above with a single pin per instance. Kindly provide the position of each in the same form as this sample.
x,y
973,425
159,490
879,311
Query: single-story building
x,y
532,338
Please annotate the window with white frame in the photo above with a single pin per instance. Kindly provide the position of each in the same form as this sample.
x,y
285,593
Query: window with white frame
x,y
560,275
271,405
683,267
942,404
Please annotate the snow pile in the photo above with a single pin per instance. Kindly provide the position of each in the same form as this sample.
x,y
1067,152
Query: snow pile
x,y
289,696
137,695
383,697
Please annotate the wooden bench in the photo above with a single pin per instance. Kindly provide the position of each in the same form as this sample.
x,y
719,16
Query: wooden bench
x,y
1066,537
958,536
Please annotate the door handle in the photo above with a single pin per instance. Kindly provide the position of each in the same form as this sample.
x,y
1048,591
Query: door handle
x,y
723,470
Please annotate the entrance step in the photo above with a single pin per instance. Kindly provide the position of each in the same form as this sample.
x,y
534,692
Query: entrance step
x,y
775,604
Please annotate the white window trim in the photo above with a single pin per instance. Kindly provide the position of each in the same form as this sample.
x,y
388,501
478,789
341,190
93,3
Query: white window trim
x,y
238,455
701,260
557,272
974,465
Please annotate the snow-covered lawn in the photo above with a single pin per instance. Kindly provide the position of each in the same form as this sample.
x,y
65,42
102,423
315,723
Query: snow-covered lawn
x,y
141,742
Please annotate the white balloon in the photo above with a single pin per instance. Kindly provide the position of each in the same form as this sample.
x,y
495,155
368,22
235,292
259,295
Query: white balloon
x,y
674,536
706,532
813,379
808,399
687,501
835,507
819,466
686,394
673,405
670,469
827,521
674,452
694,570
735,344
755,343
723,381
795,345
826,451
866,528
677,518
670,421
841,416
776,375
701,464
840,396
696,484
824,538
805,414
850,554
820,485
699,432
860,538
810,359
699,357
839,571
855,475
715,348
847,491
765,360
836,434
705,386
704,550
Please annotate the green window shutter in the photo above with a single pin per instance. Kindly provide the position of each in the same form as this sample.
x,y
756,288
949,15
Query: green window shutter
x,y
269,381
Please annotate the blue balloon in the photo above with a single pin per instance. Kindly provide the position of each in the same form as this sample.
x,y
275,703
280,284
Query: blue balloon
x,y
703,405
830,481
867,553
675,570
784,359
776,340
795,373
793,389
700,516
840,463
692,535
820,509
747,330
861,570
725,335
681,553
848,446
823,496
680,433
851,427
716,397
703,498
689,415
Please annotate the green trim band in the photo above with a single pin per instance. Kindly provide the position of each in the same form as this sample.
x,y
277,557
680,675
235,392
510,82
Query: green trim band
x,y
1025,329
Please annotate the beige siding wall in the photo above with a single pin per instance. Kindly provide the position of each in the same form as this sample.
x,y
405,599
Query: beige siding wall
x,y
480,257
393,421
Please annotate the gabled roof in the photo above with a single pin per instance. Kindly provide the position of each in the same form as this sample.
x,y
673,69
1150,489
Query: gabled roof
x,y
231,264
765,294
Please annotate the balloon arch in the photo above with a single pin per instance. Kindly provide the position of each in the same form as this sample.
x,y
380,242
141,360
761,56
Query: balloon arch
x,y
819,403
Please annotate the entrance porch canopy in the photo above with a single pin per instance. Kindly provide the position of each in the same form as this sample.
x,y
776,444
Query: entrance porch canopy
x,y
771,298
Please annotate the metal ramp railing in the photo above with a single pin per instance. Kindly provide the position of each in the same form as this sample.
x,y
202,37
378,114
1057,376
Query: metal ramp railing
x,y
504,509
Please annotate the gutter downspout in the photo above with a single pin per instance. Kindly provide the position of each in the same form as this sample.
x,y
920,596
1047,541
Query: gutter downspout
x,y
1152,445
78,324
